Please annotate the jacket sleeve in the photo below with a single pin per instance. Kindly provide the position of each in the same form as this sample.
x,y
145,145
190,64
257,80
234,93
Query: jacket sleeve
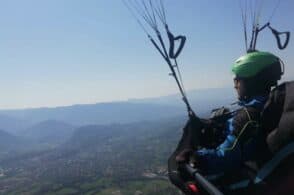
x,y
238,146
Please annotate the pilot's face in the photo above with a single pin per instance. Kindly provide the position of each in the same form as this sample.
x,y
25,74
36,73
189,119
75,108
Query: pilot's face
x,y
239,85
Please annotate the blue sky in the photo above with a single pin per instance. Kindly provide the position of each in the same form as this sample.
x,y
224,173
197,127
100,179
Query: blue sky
x,y
63,52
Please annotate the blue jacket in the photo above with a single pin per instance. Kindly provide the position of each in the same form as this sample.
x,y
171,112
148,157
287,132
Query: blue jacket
x,y
230,154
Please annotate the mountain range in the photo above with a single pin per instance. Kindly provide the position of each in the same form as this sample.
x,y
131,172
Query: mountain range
x,y
43,129
124,112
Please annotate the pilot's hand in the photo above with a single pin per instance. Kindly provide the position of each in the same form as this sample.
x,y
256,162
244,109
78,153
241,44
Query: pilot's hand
x,y
184,156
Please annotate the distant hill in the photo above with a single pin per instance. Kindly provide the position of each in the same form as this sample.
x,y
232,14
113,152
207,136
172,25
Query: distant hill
x,y
50,131
8,141
40,137
13,124
95,135
12,145
130,111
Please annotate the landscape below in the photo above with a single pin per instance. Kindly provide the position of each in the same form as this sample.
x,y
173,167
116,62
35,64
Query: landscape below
x,y
68,150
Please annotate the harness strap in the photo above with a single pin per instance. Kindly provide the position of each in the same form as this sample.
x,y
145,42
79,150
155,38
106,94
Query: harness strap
x,y
267,169
272,164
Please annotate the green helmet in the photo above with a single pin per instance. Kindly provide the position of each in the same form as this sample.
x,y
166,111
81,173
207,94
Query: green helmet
x,y
251,64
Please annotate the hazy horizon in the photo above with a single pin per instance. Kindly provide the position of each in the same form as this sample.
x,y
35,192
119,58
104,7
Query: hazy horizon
x,y
123,100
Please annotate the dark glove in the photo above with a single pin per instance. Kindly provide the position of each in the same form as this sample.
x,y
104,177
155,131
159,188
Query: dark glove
x,y
219,112
184,156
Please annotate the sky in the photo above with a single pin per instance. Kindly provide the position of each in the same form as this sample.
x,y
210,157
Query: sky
x,y
64,52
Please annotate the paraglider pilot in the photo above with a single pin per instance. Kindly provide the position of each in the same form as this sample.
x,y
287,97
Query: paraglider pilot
x,y
221,144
